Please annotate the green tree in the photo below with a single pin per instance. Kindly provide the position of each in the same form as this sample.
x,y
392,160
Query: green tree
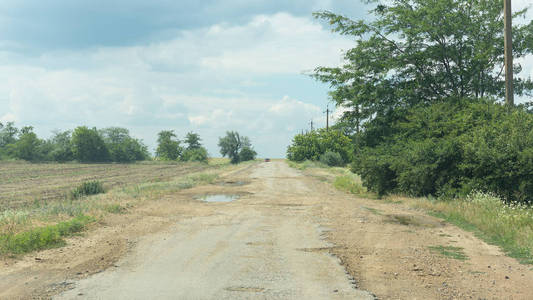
x,y
61,146
122,147
230,145
88,145
196,154
193,141
312,145
8,134
417,52
238,148
168,147
27,145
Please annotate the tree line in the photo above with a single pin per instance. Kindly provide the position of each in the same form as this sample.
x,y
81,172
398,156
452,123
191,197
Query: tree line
x,y
113,144
423,88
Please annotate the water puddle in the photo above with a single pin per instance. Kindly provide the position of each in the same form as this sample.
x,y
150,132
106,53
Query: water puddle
x,y
218,198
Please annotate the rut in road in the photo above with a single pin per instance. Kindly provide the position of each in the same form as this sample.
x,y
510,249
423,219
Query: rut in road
x,y
264,245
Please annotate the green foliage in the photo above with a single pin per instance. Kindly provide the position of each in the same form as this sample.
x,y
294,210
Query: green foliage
x,y
236,147
247,154
450,149
87,188
419,52
27,146
122,147
195,154
312,145
61,147
168,147
88,145
332,159
193,141
43,237
348,184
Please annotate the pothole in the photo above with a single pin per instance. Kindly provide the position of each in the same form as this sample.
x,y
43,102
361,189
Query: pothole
x,y
218,198
233,183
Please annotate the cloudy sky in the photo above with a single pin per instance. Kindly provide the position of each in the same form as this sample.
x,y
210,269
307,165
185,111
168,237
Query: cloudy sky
x,y
204,66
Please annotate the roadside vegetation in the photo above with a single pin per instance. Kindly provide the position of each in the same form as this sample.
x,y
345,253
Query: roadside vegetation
x,y
35,222
422,92
238,148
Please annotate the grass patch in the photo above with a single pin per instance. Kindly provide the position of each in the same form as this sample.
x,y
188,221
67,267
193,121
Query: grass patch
x,y
115,209
42,237
351,183
87,188
306,164
509,226
372,210
450,251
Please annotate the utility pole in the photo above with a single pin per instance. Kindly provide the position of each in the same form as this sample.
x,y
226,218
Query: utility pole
x,y
327,117
508,16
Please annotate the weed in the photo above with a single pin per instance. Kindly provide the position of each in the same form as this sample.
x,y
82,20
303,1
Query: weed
x,y
372,210
42,237
349,184
450,251
509,226
115,209
86,189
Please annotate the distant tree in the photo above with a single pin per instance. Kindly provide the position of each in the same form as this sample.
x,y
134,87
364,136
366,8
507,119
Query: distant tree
x,y
236,147
196,154
192,140
168,147
61,146
88,145
247,153
8,134
27,145
122,147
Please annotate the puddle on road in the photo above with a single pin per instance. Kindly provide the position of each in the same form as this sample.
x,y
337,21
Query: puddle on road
x,y
218,198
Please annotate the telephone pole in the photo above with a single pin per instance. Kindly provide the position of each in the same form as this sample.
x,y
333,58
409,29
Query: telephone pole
x,y
508,16
327,117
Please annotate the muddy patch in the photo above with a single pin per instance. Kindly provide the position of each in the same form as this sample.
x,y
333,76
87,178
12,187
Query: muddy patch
x,y
412,220
233,183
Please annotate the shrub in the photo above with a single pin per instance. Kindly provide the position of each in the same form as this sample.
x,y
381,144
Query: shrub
x,y
312,145
247,154
43,237
88,145
332,159
195,154
87,188
450,149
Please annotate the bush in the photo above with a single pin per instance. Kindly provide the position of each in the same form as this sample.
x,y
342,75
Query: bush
x,y
195,154
450,149
87,188
332,159
247,154
312,145
88,145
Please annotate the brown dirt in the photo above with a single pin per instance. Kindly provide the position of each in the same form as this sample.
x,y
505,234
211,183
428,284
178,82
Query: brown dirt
x,y
383,246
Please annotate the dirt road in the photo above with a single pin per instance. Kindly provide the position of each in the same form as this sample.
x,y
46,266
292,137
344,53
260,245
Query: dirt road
x,y
263,245
290,235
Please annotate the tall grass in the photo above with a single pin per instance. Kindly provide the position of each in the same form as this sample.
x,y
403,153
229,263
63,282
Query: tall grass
x,y
42,237
509,226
